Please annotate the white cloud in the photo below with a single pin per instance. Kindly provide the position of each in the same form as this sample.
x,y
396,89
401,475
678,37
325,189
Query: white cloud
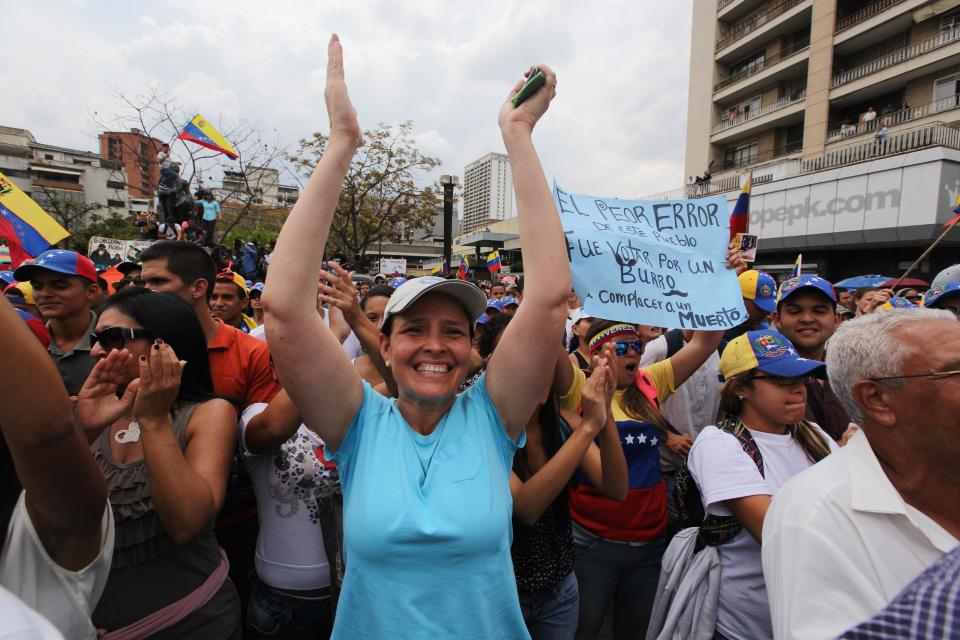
x,y
616,127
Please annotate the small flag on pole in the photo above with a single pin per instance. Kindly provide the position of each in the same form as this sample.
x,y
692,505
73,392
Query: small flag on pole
x,y
493,262
441,268
464,269
956,211
740,216
797,266
201,132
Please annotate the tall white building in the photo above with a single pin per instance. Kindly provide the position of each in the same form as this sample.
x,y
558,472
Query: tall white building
x,y
487,191
261,184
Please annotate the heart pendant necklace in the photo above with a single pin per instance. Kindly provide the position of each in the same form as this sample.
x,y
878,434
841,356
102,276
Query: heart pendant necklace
x,y
128,435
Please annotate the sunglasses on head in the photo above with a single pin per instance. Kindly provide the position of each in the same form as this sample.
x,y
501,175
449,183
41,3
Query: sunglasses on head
x,y
111,338
623,348
785,381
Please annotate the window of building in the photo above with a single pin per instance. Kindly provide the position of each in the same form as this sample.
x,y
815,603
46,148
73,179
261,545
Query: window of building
x,y
945,92
751,65
950,22
48,156
114,149
741,154
116,204
116,184
88,163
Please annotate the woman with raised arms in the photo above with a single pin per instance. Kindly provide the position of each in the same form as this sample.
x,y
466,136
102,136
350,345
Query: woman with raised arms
x,y
425,476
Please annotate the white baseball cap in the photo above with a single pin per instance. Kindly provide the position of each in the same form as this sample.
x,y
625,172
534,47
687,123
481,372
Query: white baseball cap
x,y
577,315
468,295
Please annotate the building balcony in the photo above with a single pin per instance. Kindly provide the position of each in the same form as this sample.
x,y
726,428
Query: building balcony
x,y
767,19
757,117
773,68
731,10
866,13
937,108
920,54
928,136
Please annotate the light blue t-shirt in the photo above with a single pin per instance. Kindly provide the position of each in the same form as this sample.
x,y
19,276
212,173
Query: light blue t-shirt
x,y
427,524
210,209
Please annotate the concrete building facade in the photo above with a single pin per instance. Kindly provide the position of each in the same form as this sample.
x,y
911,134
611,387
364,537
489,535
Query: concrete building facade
x,y
137,152
261,184
487,191
852,104
50,173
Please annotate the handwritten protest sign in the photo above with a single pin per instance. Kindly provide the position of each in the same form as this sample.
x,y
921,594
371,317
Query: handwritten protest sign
x,y
106,252
656,262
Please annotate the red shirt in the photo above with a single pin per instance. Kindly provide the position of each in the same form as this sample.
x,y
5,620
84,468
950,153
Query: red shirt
x,y
240,365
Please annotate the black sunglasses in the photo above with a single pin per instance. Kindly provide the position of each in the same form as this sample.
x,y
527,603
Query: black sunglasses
x,y
785,381
111,338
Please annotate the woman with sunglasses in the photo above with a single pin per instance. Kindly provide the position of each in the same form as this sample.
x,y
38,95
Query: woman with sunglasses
x,y
164,444
620,544
741,463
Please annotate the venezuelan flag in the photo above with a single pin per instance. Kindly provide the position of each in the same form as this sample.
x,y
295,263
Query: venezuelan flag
x,y
493,262
797,266
25,226
740,217
440,269
956,210
200,131
464,269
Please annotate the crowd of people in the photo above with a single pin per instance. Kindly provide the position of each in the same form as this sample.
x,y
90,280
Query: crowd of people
x,y
201,454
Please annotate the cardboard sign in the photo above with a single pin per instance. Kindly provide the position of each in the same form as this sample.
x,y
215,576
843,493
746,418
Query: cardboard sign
x,y
655,262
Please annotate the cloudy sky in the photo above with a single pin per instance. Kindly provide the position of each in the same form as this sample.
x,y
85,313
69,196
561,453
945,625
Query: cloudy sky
x,y
615,129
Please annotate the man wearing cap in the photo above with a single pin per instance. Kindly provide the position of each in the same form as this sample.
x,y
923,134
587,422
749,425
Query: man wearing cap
x,y
494,307
759,292
131,275
841,540
510,305
229,297
65,288
945,296
950,274
20,295
806,313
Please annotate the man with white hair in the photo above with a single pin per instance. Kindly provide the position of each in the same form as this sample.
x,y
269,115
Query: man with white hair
x,y
842,538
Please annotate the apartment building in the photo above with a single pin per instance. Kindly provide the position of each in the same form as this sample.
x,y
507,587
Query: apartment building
x,y
261,185
847,114
487,191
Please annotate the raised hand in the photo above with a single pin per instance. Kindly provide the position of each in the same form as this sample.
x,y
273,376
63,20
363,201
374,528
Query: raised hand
x,y
342,114
522,119
340,292
159,383
97,405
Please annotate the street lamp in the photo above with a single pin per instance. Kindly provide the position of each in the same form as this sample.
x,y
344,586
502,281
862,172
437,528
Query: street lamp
x,y
448,182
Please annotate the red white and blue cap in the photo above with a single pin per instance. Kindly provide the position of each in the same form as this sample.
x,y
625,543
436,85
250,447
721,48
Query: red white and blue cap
x,y
768,351
509,300
938,294
792,285
896,303
493,303
68,263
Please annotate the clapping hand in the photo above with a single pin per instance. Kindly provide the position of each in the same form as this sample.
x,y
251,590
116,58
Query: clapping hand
x,y
597,393
97,404
159,383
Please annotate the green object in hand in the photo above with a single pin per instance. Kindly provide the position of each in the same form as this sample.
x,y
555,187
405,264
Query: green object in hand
x,y
535,80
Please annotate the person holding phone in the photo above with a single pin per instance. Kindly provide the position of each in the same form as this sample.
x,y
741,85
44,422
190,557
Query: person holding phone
x,y
425,477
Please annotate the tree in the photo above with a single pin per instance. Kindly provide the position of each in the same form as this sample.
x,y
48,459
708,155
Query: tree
x,y
112,226
247,178
67,207
380,200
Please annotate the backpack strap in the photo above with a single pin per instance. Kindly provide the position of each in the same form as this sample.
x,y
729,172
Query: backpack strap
x,y
717,530
647,387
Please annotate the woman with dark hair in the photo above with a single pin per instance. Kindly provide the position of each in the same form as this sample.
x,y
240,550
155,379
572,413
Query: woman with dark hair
x,y
56,527
741,463
620,544
164,444
542,549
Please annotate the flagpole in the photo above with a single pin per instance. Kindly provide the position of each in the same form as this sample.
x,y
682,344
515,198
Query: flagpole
x,y
943,235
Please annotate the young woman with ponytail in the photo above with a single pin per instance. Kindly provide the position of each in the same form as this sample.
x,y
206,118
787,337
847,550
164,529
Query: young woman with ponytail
x,y
741,463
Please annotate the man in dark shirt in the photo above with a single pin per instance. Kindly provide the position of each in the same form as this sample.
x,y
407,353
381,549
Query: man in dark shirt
x,y
65,290
807,315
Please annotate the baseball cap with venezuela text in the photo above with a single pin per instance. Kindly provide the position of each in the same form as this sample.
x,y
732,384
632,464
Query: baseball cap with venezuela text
x,y
760,287
68,263
791,286
935,295
768,351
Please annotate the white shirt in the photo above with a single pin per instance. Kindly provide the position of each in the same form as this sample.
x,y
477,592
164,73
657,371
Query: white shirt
x,y
693,405
351,344
20,622
723,471
66,598
287,483
839,543
168,231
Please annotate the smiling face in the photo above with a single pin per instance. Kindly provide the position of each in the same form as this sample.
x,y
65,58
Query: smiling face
x,y
60,296
428,349
226,303
808,319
